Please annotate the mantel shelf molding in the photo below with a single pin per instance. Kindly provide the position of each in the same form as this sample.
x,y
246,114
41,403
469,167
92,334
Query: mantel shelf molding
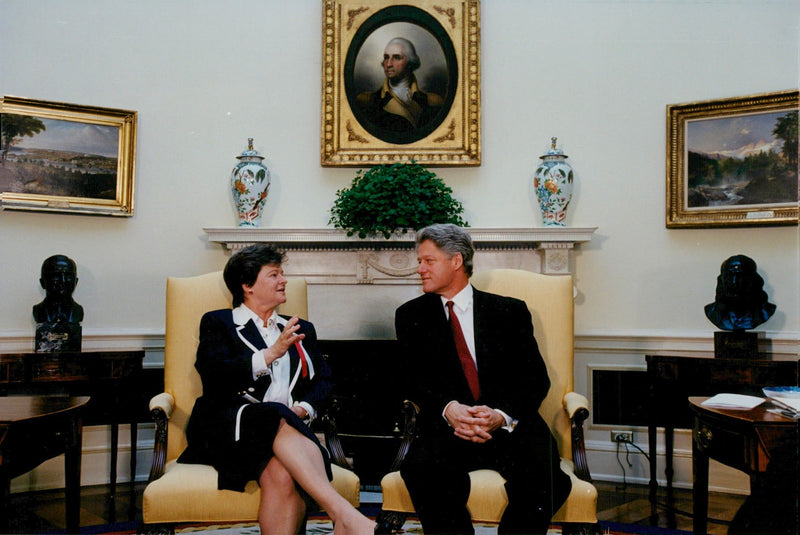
x,y
377,260
317,239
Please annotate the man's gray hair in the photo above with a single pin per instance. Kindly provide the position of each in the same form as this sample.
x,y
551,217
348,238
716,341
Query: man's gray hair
x,y
451,239
410,52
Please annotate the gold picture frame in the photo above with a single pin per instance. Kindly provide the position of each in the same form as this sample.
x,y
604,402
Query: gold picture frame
x,y
58,157
733,162
447,35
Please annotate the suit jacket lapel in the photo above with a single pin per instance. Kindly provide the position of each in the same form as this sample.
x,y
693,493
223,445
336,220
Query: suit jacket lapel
x,y
438,323
249,334
480,320
251,337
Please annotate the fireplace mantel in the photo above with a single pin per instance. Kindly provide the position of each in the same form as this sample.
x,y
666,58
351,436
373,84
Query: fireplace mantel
x,y
329,256
355,285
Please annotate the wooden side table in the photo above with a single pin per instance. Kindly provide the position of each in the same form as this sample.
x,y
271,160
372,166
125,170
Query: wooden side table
x,y
34,429
109,377
748,440
674,377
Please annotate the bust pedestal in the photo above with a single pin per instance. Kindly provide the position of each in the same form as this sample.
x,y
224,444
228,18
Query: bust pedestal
x,y
53,337
735,344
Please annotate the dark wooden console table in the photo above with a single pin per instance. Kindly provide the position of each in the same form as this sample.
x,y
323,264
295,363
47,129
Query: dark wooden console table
x,y
34,429
675,377
110,377
748,440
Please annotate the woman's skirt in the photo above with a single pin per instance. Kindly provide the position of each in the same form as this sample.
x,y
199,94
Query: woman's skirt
x,y
249,456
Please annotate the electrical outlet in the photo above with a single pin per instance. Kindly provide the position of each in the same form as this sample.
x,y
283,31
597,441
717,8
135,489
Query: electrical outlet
x,y
622,436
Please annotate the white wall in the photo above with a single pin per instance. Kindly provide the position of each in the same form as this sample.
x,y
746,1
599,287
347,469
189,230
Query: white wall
x,y
205,75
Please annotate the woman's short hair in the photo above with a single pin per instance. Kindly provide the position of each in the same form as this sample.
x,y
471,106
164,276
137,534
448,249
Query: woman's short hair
x,y
245,265
451,239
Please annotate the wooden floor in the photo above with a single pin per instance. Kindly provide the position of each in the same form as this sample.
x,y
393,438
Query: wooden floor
x,y
42,512
629,504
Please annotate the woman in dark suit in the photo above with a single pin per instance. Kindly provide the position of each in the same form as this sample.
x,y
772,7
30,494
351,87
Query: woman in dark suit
x,y
263,382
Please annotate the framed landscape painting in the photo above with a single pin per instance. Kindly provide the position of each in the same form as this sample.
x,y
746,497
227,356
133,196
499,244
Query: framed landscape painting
x,y
57,157
401,82
733,162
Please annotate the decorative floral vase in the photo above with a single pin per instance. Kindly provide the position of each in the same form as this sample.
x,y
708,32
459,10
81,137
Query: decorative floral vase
x,y
553,184
250,185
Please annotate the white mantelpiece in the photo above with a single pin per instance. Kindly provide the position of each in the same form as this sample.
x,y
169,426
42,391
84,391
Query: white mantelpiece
x,y
329,256
355,285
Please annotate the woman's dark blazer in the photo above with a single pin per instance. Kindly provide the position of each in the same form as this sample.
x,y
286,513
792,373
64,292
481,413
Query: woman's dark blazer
x,y
224,362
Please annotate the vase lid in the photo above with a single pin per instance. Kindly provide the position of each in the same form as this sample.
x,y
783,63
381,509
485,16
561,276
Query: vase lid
x,y
250,152
553,151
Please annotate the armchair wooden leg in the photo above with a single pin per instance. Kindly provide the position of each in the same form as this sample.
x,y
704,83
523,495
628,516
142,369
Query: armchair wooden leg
x,y
389,522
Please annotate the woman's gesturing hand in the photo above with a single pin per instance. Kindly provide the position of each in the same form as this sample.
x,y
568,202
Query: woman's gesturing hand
x,y
287,339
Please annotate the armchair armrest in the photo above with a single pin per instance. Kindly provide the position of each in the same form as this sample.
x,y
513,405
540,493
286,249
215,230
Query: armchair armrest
x,y
574,402
577,407
164,402
161,406
410,412
332,440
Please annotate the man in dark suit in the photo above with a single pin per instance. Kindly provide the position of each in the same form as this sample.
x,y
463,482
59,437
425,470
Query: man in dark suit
x,y
478,382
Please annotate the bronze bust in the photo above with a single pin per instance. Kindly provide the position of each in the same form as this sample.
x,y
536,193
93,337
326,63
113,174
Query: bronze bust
x,y
58,316
741,302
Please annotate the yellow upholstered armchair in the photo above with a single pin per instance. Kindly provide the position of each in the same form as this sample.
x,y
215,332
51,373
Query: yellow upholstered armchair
x,y
188,492
550,300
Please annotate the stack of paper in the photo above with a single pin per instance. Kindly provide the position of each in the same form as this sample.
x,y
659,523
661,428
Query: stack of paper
x,y
733,401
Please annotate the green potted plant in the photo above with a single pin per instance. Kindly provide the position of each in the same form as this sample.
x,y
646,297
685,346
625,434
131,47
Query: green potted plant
x,y
392,197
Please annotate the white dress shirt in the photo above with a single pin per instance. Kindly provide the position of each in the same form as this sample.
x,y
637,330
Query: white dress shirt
x,y
465,312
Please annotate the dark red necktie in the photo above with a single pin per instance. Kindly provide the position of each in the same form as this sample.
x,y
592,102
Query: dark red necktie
x,y
467,364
